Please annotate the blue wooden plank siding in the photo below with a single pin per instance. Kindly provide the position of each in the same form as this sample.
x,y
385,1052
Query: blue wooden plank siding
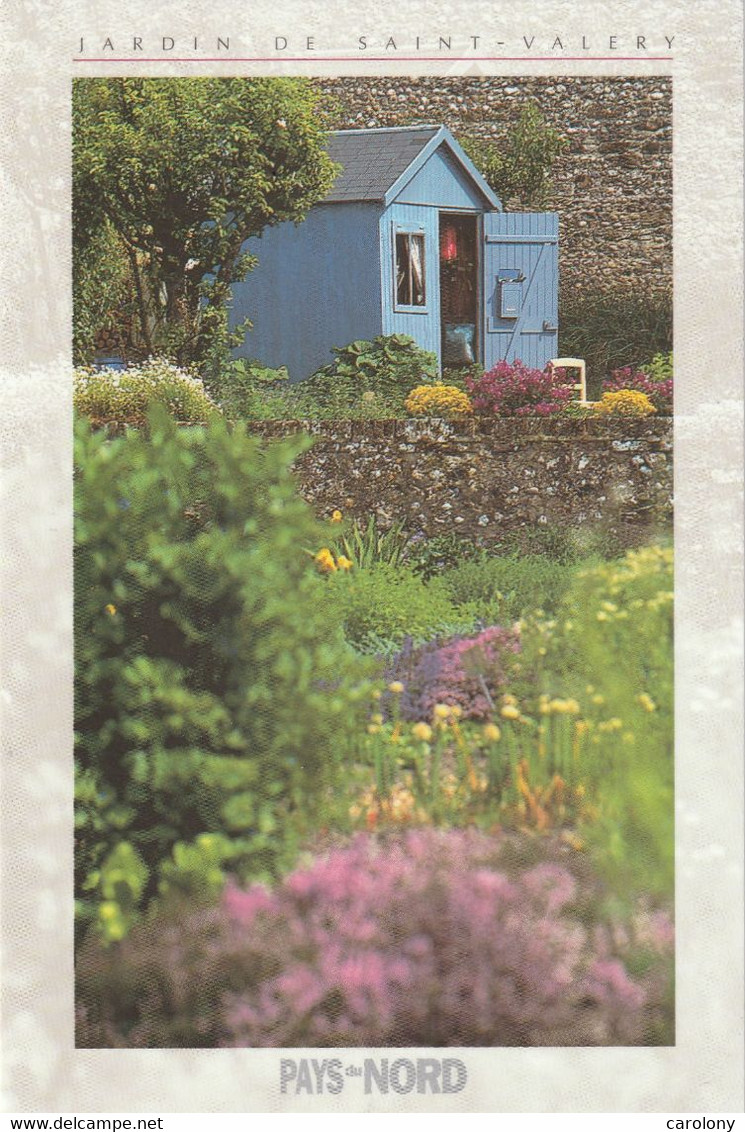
x,y
316,285
441,183
332,278
521,244
421,323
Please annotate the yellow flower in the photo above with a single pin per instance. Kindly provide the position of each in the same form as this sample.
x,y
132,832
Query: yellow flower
x,y
376,717
422,731
628,402
110,609
646,702
325,560
373,728
438,400
564,707
492,732
509,711
344,563
336,516
508,698
441,711
396,687
456,712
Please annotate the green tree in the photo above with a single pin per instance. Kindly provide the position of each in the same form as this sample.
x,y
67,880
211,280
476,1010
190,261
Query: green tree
x,y
184,171
216,700
518,169
103,290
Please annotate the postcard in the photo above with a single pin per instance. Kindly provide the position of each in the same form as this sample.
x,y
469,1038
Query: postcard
x,y
372,486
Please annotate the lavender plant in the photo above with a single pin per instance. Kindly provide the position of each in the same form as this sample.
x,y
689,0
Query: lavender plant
x,y
466,671
431,939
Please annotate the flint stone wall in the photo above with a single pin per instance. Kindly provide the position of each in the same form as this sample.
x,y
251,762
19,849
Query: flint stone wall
x,y
612,186
484,478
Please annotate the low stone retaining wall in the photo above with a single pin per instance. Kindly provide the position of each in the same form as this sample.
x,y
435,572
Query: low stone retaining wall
x,y
484,478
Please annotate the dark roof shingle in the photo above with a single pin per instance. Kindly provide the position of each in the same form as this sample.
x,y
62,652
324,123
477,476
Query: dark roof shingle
x,y
373,160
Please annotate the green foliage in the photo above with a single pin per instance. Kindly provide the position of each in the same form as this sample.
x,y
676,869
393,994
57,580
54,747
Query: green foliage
x,y
121,883
185,170
507,588
214,691
661,367
368,379
614,328
392,603
369,545
611,647
248,390
123,397
567,545
430,556
102,290
518,168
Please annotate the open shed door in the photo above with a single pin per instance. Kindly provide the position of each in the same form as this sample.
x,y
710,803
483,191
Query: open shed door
x,y
521,287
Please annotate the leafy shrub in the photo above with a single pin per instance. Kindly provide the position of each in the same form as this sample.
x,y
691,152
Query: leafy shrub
x,y
508,587
566,545
467,672
614,328
246,390
625,403
431,939
658,390
511,389
611,648
438,400
660,368
518,167
123,397
214,691
392,602
430,556
377,374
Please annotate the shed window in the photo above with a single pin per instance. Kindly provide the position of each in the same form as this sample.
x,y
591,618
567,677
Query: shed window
x,y
410,269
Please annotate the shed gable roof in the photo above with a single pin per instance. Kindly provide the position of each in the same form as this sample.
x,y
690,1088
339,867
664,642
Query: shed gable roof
x,y
377,163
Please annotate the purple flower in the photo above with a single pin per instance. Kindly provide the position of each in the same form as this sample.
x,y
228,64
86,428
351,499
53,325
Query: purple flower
x,y
467,672
432,938
512,389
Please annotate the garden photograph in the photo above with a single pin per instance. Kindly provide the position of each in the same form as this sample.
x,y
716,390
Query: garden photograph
x,y
373,562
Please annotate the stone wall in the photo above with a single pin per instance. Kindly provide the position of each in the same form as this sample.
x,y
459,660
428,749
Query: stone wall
x,y
613,184
484,478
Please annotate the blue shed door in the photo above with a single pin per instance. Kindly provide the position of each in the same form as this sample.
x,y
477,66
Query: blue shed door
x,y
521,287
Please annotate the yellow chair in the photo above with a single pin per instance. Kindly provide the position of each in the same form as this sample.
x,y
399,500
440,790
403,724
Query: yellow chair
x,y
578,364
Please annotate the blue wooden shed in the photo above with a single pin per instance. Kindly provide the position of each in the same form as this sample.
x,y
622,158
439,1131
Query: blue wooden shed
x,y
410,240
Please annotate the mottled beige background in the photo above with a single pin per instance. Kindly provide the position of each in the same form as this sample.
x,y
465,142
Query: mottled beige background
x,y
43,1072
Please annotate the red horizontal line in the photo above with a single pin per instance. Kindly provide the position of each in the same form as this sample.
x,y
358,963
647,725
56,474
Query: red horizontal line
x,y
362,58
